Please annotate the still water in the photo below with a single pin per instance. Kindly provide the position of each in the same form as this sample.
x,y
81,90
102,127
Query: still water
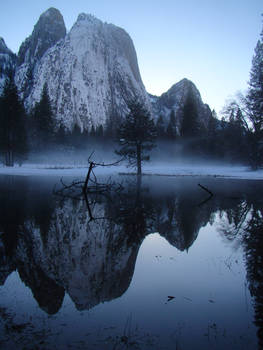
x,y
159,265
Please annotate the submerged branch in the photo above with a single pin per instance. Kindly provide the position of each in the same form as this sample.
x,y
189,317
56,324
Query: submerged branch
x,y
208,198
206,189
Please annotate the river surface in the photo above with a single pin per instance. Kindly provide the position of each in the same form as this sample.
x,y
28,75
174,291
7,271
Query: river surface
x,y
162,264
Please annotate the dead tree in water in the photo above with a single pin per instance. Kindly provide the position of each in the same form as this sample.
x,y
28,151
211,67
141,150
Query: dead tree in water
x,y
82,189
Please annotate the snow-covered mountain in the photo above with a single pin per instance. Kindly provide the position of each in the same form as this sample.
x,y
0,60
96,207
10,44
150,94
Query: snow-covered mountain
x,y
91,72
49,29
7,62
174,100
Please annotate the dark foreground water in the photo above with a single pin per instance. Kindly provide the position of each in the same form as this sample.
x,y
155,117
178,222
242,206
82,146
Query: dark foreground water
x,y
160,265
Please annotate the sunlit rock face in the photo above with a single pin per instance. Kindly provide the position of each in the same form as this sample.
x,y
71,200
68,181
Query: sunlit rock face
x,y
91,73
7,62
174,100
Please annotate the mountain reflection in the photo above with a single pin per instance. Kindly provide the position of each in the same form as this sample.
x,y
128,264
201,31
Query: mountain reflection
x,y
56,247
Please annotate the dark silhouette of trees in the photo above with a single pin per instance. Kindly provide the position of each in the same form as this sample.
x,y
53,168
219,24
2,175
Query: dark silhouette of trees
x,y
43,120
189,126
254,261
13,140
171,128
254,104
160,128
234,133
136,136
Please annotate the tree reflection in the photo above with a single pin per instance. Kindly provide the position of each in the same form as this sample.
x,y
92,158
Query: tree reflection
x,y
60,245
253,242
245,220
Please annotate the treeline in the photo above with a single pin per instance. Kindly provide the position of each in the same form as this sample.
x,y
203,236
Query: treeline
x,y
227,139
36,131
237,137
207,136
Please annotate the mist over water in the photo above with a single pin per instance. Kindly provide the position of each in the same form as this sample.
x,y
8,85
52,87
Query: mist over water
x,y
167,158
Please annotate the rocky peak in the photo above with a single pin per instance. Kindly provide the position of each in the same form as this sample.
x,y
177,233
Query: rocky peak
x,y
110,36
7,62
174,100
91,74
177,94
49,29
3,48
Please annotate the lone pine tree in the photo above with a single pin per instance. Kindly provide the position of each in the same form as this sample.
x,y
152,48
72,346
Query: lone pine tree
x,y
136,136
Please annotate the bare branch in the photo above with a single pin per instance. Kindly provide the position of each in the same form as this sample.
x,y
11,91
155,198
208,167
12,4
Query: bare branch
x,y
206,189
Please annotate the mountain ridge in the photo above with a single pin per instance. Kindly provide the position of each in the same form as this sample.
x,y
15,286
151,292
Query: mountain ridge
x,y
91,72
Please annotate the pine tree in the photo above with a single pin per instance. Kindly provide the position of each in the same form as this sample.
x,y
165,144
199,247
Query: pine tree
x,y
112,124
136,135
43,120
99,131
171,128
92,132
189,126
13,140
160,127
254,103
61,135
76,137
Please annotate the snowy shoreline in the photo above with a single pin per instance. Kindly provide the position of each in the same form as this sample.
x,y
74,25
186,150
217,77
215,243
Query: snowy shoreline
x,y
233,172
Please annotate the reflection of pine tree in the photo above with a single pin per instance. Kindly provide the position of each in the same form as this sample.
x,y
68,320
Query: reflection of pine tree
x,y
254,261
134,211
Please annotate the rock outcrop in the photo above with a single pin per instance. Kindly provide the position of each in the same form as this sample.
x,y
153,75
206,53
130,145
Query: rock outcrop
x,y
91,73
174,100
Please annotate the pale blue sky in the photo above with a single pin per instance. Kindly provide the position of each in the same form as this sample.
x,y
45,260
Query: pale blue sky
x,y
210,42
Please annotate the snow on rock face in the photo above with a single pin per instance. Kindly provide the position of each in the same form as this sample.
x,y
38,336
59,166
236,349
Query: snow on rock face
x,y
91,74
49,29
92,260
3,48
174,100
7,62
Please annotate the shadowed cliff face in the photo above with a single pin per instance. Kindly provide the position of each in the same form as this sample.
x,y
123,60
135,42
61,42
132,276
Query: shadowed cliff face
x,y
7,63
57,248
49,29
